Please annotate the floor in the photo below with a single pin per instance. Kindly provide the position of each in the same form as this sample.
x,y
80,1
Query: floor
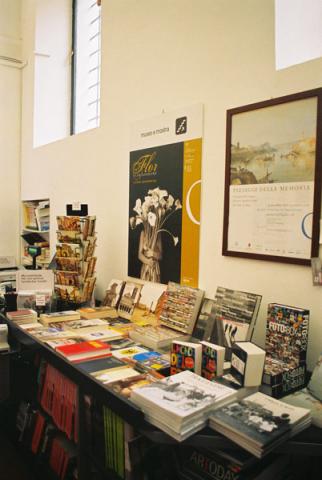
x,y
12,466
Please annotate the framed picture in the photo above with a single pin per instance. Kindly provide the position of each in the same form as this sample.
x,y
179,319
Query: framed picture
x,y
273,179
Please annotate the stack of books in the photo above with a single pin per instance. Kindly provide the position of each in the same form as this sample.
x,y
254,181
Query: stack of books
x,y
65,316
75,273
180,404
286,347
259,423
84,350
23,316
177,317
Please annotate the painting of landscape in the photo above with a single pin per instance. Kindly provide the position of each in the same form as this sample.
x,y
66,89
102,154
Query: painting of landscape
x,y
275,144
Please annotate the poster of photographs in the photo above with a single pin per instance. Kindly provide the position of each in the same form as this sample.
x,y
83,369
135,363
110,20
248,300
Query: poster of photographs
x,y
273,181
164,199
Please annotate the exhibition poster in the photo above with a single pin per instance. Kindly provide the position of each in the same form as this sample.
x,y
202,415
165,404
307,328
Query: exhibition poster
x,y
164,197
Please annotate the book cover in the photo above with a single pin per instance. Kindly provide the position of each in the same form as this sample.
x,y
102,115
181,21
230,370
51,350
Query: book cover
x,y
204,323
287,334
106,334
83,349
182,395
234,316
64,316
100,364
128,352
116,374
130,297
113,293
95,312
181,307
154,360
258,420
185,356
212,364
126,386
150,303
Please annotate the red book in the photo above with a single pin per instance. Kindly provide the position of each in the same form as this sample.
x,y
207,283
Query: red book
x,y
83,350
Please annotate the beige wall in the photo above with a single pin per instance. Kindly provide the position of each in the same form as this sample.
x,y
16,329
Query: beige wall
x,y
10,102
163,55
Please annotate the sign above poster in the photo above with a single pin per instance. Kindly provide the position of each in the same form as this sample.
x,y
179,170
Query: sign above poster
x,y
169,127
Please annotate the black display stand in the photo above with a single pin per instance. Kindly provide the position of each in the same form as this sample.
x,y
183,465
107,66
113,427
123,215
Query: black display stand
x,y
307,443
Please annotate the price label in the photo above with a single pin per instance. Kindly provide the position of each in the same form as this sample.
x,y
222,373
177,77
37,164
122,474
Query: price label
x,y
40,300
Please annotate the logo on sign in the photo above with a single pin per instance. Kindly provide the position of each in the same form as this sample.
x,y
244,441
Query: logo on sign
x,y
181,125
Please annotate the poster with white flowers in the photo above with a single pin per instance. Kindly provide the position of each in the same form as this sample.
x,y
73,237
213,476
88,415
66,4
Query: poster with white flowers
x,y
164,197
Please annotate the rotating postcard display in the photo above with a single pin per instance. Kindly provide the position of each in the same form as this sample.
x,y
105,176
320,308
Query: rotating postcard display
x,y
75,261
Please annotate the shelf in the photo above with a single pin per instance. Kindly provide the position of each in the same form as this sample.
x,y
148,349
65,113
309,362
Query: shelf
x,y
25,229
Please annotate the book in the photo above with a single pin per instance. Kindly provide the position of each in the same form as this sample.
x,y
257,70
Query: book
x,y
113,293
106,334
152,360
212,363
96,312
65,316
185,356
204,323
180,404
115,374
83,350
128,352
130,297
84,326
26,315
259,423
247,363
286,347
234,316
126,386
150,303
62,341
287,333
155,337
100,365
181,307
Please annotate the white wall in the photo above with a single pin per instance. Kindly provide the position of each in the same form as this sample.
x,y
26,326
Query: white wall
x,y
163,55
10,101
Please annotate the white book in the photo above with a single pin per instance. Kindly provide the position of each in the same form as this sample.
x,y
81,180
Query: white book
x,y
247,363
180,397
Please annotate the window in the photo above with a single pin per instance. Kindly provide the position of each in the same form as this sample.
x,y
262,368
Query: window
x,y
86,65
298,33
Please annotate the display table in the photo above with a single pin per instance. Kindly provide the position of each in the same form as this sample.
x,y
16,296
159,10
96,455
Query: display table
x,y
307,443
